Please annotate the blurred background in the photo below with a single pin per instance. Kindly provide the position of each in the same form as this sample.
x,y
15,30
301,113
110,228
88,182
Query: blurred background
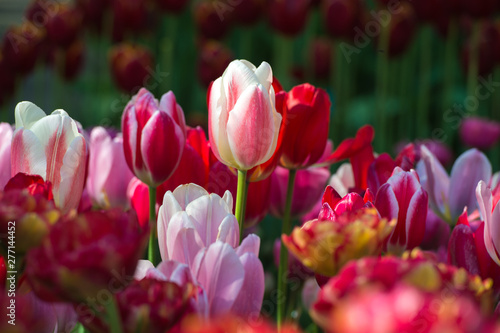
x,y
416,69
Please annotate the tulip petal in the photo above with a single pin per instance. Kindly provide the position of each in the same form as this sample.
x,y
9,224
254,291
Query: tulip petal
x,y
185,194
176,272
462,249
471,167
434,180
219,270
415,218
27,154
142,268
484,199
250,128
183,241
27,114
98,173
265,75
250,244
228,198
235,80
249,300
229,231
72,175
6,134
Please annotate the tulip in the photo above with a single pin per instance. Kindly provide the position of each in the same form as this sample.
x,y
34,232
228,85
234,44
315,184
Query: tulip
x,y
321,58
191,219
130,66
437,233
342,180
308,188
288,16
64,25
243,122
213,59
212,22
248,12
21,46
306,126
108,173
149,128
403,198
52,147
6,133
81,255
341,16
138,197
326,246
491,215
480,133
93,11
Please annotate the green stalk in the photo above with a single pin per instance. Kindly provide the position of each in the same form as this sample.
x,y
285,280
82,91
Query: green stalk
x,y
404,93
167,51
473,70
153,243
283,267
382,86
282,57
424,81
449,64
241,200
113,316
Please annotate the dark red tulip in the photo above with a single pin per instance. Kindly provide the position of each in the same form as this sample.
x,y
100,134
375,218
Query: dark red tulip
x,y
131,13
64,25
83,255
321,58
74,57
93,11
288,16
211,21
33,183
402,29
306,126
131,66
22,45
248,12
340,16
213,59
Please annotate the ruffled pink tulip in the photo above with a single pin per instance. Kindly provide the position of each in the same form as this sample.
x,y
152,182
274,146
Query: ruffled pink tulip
x,y
308,188
243,124
6,133
108,173
52,147
191,219
154,135
403,198
448,195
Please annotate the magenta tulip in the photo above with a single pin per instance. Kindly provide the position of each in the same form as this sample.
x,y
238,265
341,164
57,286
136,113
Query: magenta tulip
x,y
480,133
52,147
108,173
154,135
243,124
403,198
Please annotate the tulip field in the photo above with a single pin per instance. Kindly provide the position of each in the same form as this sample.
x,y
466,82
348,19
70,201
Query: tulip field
x,y
244,166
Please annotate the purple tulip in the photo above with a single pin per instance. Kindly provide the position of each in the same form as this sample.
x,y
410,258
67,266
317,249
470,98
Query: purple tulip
x,y
479,133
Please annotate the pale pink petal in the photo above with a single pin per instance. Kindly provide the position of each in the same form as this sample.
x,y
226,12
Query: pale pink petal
x,y
176,272
219,270
142,268
484,200
27,114
470,167
229,231
265,75
235,80
100,150
228,198
249,300
6,134
72,175
183,241
250,244
435,180
185,194
343,179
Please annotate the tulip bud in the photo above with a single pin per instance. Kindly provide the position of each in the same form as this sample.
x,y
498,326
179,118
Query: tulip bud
x,y
21,46
212,61
340,16
149,127
211,20
130,14
305,126
60,269
480,133
248,12
403,198
130,66
402,29
52,147
63,26
321,58
243,122
288,16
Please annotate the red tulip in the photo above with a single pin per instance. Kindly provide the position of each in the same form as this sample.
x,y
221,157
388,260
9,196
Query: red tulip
x,y
248,12
150,127
288,16
213,59
340,16
210,20
131,15
21,46
321,58
403,198
83,255
63,26
402,29
306,126
131,66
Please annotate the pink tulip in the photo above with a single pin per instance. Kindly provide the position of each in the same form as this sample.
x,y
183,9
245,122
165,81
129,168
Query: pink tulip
x,y
403,198
243,124
5,143
154,135
108,173
491,216
309,186
52,147
191,219
480,133
448,195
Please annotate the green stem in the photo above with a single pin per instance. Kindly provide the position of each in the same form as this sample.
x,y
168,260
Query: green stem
x,y
241,200
113,316
78,328
282,56
449,64
424,82
167,51
473,69
153,243
283,267
382,85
